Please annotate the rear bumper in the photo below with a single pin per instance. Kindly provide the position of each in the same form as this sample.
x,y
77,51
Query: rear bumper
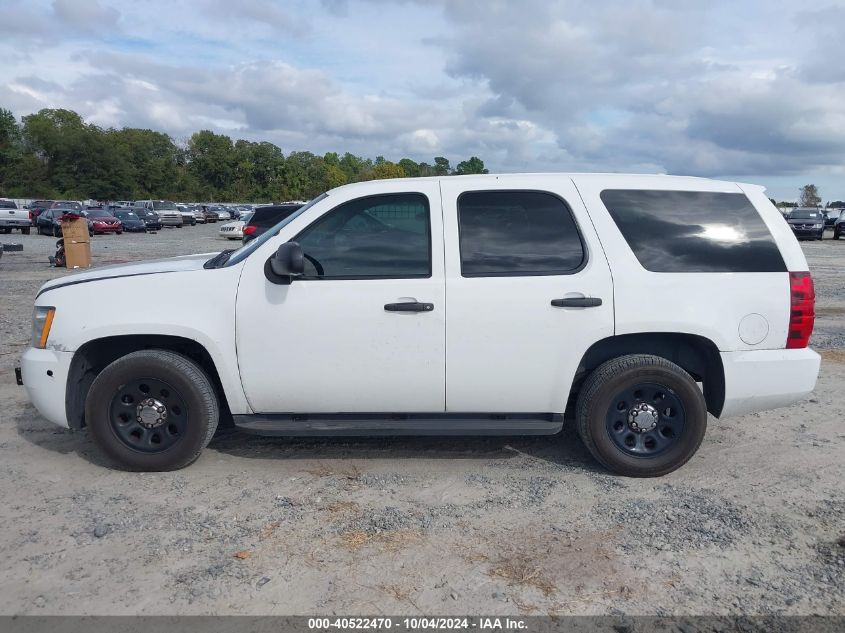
x,y
14,224
759,380
46,390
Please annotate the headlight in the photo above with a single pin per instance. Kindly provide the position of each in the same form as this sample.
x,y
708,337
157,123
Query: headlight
x,y
42,319
818,226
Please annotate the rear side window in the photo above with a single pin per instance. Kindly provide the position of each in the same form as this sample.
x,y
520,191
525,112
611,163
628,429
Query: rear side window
x,y
694,231
7,204
517,233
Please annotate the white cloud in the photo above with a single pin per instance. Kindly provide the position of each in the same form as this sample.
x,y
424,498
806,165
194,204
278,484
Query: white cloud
x,y
695,87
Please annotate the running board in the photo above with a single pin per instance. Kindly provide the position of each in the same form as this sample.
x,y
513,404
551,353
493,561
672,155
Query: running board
x,y
400,424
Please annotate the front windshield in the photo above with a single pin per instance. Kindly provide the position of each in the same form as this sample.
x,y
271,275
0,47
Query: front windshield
x,y
244,251
165,205
126,215
805,215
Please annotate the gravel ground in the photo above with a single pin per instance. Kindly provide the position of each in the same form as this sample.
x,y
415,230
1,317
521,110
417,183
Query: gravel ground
x,y
754,524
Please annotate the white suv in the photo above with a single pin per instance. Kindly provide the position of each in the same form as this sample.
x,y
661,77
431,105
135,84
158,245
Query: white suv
x,y
456,306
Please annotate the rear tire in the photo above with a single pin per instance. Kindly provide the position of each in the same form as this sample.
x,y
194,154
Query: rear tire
x,y
131,389
25,231
657,390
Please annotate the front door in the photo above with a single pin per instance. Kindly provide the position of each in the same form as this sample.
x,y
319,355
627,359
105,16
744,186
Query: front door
x,y
528,290
364,329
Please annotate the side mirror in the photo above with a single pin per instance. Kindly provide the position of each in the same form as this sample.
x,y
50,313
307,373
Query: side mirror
x,y
285,264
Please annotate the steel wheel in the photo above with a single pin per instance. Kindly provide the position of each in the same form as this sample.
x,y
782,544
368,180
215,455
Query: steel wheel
x,y
645,420
148,415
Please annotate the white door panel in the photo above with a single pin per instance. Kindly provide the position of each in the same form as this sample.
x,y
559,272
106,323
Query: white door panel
x,y
508,349
330,346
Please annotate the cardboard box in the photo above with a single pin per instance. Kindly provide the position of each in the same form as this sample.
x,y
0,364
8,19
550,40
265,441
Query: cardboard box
x,y
77,246
77,254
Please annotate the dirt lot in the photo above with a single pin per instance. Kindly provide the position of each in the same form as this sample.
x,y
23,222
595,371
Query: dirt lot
x,y
754,524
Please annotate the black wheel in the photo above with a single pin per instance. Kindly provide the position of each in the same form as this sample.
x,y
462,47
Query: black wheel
x,y
836,235
119,232
25,231
152,410
641,415
57,232
6,230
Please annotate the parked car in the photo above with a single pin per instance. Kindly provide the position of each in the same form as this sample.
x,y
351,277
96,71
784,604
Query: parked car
x,y
188,218
67,204
199,216
223,214
48,221
208,215
234,230
101,221
37,207
166,210
266,217
150,218
11,217
130,221
830,216
839,225
475,305
807,223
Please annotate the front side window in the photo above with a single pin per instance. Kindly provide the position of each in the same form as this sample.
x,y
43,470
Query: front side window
x,y
386,236
517,233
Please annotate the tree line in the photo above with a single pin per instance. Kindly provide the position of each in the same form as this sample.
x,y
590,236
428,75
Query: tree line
x,y
54,153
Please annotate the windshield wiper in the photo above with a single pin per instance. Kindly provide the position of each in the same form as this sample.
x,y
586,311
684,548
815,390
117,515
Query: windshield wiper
x,y
218,260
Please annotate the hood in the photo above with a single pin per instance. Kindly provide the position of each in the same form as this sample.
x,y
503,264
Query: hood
x,y
151,267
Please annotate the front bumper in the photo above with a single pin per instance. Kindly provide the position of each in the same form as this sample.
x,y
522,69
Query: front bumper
x,y
807,232
759,380
44,373
106,228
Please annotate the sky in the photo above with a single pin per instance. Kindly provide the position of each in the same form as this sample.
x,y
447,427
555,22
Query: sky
x,y
747,90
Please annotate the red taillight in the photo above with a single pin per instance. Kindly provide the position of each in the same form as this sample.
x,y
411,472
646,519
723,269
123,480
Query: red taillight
x,y
802,313
249,230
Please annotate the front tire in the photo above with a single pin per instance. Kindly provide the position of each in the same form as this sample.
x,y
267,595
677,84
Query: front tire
x,y
152,410
641,415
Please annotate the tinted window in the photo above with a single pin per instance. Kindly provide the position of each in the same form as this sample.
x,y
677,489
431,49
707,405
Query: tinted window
x,y
691,231
805,215
269,216
377,236
517,233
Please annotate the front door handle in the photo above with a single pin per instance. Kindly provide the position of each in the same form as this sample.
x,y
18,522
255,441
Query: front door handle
x,y
409,306
577,302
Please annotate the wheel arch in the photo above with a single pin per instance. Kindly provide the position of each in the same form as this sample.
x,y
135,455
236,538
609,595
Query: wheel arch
x,y
95,355
697,355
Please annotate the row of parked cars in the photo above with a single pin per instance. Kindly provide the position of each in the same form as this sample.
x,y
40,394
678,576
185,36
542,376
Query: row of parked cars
x,y
809,223
112,217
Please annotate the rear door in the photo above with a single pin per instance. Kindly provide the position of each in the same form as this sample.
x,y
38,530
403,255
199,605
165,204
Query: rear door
x,y
528,290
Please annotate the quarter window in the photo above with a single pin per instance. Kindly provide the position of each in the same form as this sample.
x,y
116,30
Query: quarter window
x,y
385,236
693,231
517,233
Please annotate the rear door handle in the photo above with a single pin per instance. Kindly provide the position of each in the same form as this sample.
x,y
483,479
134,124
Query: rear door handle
x,y
577,302
409,306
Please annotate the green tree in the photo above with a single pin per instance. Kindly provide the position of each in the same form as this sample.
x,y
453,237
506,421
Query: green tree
x,y
472,166
411,169
211,159
386,169
441,166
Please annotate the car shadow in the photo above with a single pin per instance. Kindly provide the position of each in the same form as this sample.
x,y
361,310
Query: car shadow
x,y
563,451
